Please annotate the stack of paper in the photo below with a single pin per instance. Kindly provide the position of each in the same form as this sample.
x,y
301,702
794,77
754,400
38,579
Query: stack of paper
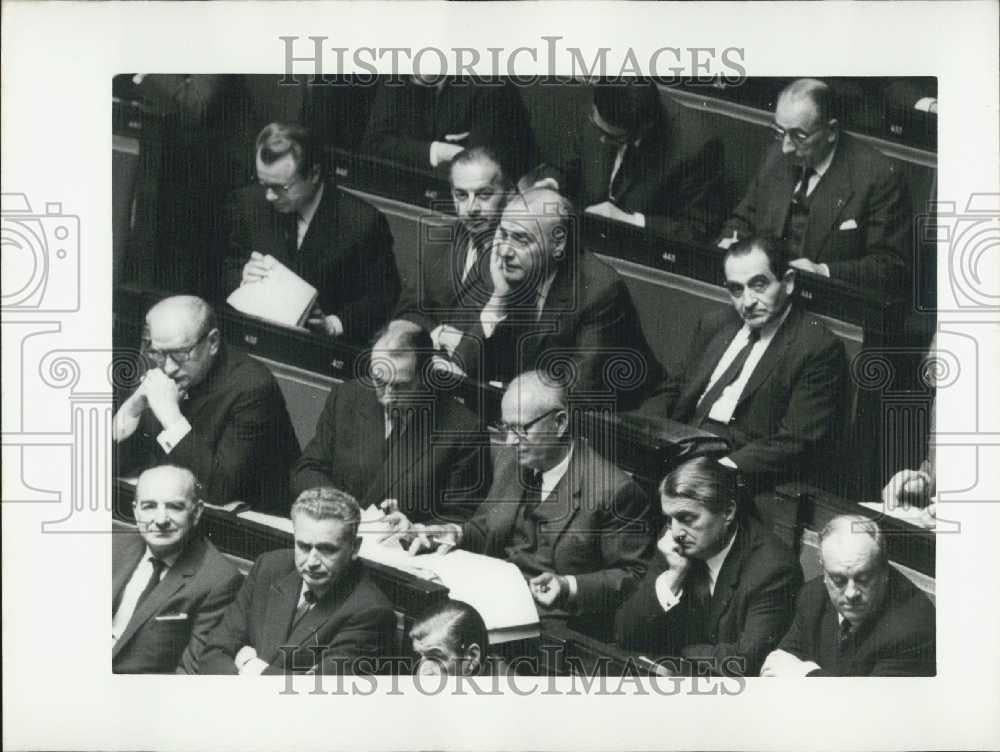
x,y
282,297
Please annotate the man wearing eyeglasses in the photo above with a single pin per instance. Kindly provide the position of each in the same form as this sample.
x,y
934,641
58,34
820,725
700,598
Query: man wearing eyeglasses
x,y
210,409
338,243
841,206
576,525
633,164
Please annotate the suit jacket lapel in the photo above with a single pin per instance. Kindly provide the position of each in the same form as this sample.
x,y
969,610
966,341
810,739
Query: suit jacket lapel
x,y
729,577
713,354
781,197
129,561
176,577
568,492
774,354
321,614
322,228
282,600
827,202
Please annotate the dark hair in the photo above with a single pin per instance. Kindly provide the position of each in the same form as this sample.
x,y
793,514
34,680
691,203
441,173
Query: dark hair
x,y
329,503
278,139
630,104
410,339
483,154
705,481
460,624
774,248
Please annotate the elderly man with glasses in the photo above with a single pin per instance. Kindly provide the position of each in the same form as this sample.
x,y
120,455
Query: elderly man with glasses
x,y
577,526
841,207
295,214
206,408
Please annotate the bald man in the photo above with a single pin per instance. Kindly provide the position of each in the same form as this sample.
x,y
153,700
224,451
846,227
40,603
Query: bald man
x,y
862,617
574,524
388,439
205,407
841,206
169,586
555,306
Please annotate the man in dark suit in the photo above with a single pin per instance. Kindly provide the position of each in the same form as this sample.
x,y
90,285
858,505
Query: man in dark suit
x,y
765,375
425,121
576,525
335,241
721,591
862,617
455,279
555,306
169,586
311,609
841,206
208,408
632,163
391,441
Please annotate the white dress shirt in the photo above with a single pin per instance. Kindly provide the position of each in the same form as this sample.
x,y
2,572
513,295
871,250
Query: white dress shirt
x,y
724,407
819,170
305,216
133,589
491,314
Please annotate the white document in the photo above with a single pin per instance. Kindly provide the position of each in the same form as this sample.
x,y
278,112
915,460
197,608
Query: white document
x,y
282,297
278,523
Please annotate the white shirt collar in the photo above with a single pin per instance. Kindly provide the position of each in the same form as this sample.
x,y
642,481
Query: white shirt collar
x,y
771,328
309,210
823,166
168,560
715,563
552,476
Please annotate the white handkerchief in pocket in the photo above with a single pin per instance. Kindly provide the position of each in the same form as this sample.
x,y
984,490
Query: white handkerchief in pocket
x,y
848,224
171,617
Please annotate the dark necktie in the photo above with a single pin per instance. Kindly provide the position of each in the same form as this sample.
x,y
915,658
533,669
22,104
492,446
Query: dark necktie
x,y
308,601
704,406
698,589
800,196
616,182
845,634
290,233
154,580
531,499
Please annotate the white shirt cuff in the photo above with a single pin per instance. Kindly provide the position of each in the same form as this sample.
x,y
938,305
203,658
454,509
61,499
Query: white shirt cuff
x,y
808,667
435,155
573,587
824,270
665,595
171,436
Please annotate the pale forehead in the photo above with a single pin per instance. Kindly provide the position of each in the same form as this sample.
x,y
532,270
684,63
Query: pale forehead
x,y
278,171
849,551
675,505
310,530
164,484
796,111
172,320
472,176
744,267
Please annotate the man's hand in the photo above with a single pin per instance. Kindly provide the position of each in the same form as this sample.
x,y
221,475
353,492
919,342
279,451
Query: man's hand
x,y
677,563
548,588
907,488
725,243
257,268
320,323
781,663
442,538
610,211
501,287
447,150
804,264
398,527
446,337
126,420
163,396
247,663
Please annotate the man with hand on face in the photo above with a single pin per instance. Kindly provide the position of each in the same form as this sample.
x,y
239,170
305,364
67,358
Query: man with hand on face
x,y
456,284
312,609
575,524
389,440
554,305
841,206
765,375
169,586
208,408
862,617
336,242
721,589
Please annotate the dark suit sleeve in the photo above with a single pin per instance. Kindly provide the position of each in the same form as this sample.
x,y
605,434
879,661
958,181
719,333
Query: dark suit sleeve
x,y
768,612
313,468
811,413
665,396
384,136
797,640
625,543
694,199
744,218
233,632
887,225
237,245
210,613
249,433
641,624
469,475
378,285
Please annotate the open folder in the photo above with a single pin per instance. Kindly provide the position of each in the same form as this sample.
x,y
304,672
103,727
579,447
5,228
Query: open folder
x,y
282,297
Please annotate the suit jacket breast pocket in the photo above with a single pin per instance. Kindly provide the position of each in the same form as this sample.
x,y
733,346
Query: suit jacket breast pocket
x,y
846,244
169,637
